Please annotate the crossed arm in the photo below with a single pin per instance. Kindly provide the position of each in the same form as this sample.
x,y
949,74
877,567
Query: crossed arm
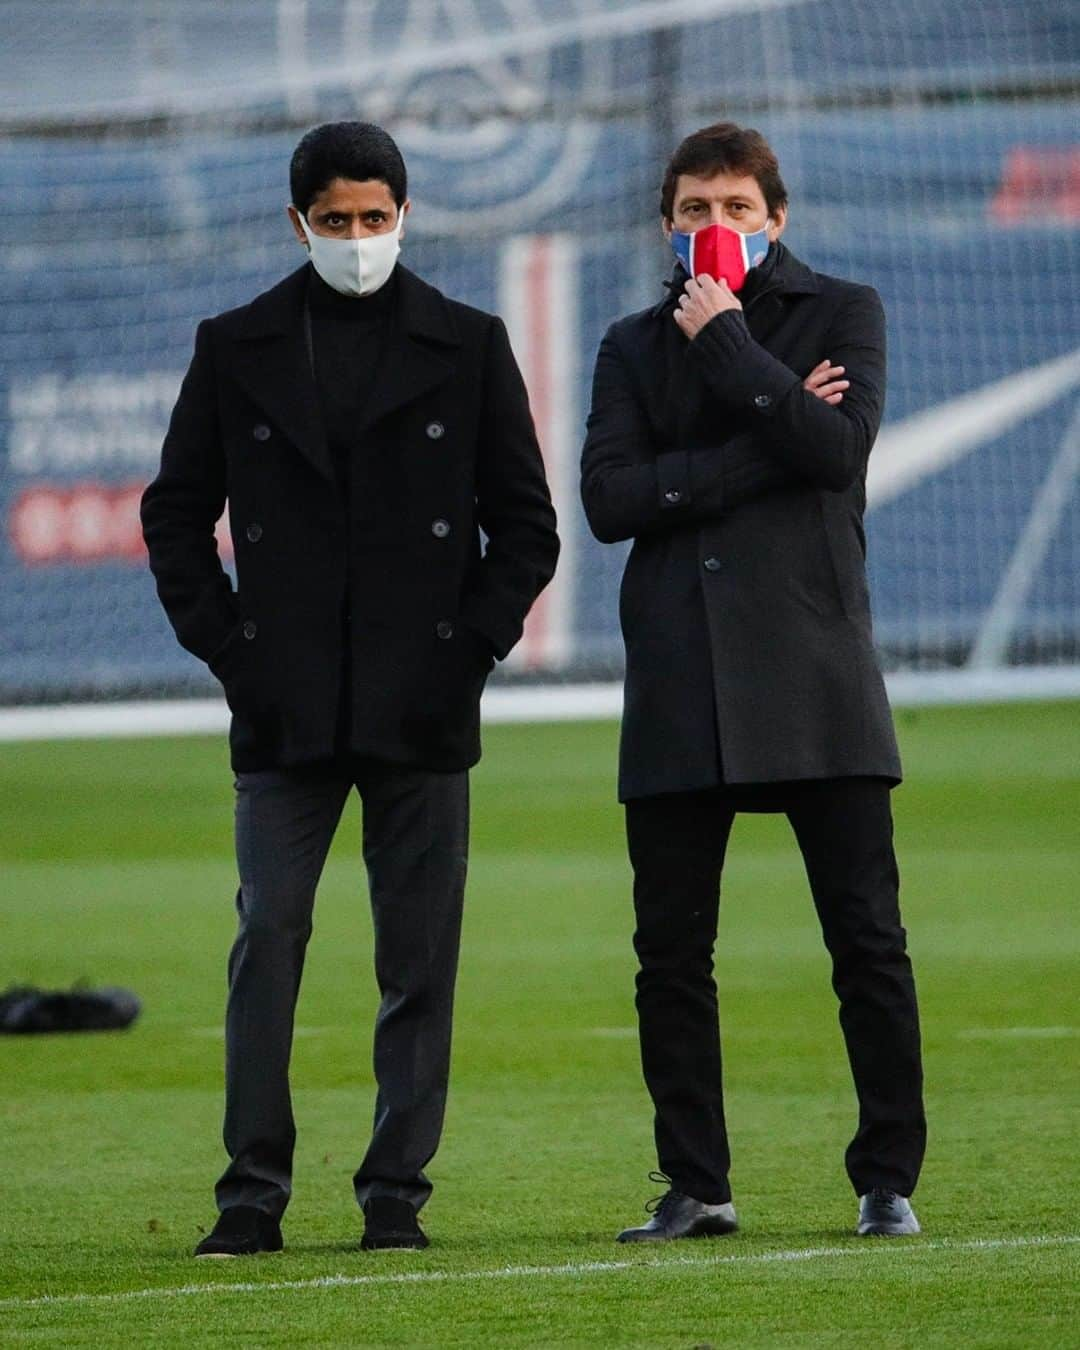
x,y
816,431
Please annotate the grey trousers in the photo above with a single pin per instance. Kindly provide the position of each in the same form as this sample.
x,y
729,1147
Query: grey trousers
x,y
415,846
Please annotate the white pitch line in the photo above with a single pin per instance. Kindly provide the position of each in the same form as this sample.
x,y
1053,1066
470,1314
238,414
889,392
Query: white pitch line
x,y
911,1248
1017,1033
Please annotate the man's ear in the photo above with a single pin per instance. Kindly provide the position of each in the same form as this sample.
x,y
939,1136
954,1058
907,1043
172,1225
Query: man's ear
x,y
403,211
776,224
298,229
667,226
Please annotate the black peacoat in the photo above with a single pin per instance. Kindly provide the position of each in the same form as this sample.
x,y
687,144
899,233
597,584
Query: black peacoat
x,y
744,603
449,450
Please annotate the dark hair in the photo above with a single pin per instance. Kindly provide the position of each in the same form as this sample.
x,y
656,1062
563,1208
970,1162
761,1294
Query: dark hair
x,y
725,148
356,150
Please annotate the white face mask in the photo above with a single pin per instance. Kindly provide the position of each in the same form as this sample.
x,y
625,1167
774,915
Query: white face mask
x,y
355,266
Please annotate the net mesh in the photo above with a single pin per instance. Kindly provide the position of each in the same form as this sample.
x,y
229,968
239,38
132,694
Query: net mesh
x,y
930,148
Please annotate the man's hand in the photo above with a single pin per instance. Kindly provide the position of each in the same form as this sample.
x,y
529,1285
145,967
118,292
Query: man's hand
x,y
823,383
702,299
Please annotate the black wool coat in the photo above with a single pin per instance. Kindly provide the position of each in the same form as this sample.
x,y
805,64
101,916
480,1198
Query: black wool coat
x,y
744,603
449,450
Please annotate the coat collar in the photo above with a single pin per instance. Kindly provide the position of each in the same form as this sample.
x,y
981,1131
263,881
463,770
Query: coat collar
x,y
274,360
422,310
790,276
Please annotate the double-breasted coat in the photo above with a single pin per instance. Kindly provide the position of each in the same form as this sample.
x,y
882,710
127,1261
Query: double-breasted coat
x,y
744,603
400,572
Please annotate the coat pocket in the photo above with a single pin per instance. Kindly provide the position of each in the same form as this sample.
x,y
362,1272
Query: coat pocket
x,y
229,663
804,559
225,658
846,558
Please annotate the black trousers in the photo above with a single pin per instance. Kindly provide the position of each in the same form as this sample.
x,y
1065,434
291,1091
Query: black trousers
x,y
677,844
415,845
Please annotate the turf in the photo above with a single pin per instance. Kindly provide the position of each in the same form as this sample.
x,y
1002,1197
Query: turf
x,y
116,867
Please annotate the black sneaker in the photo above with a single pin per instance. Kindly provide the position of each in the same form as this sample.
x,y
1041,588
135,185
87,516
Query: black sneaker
x,y
676,1215
390,1224
883,1213
242,1231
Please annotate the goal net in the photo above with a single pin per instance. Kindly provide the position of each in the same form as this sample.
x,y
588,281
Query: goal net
x,y
930,148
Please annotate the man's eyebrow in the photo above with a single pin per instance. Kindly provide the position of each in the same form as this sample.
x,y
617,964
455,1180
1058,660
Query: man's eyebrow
x,y
367,211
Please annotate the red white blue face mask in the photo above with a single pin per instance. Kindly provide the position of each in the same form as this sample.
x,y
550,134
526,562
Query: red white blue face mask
x,y
721,252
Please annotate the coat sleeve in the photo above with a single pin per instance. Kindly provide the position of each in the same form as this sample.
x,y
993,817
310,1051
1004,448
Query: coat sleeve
x,y
632,486
181,507
826,446
513,505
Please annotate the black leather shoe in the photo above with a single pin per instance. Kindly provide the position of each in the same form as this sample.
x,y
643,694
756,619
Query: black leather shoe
x,y
242,1231
390,1224
675,1215
883,1213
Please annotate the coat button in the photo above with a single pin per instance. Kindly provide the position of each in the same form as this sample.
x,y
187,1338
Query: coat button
x,y
440,528
444,629
435,431
673,495
712,564
250,628
254,532
763,401
261,431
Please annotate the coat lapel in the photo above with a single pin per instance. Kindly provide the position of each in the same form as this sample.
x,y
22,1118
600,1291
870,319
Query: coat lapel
x,y
789,278
273,364
416,359
273,360
674,416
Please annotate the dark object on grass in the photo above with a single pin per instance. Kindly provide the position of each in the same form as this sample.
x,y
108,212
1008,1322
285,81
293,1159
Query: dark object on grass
x,y
24,1009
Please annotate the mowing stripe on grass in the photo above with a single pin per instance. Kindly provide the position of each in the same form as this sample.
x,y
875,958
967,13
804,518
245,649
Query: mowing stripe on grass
x,y
536,1272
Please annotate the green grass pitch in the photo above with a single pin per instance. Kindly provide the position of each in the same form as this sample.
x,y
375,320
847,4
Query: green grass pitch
x,y
115,865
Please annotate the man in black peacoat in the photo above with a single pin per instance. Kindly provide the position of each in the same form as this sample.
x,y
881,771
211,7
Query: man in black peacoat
x,y
364,430
729,439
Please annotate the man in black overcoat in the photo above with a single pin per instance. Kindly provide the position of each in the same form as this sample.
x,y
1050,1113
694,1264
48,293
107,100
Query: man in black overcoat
x,y
392,527
728,438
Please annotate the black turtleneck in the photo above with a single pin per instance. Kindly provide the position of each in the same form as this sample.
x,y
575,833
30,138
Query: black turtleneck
x,y
348,333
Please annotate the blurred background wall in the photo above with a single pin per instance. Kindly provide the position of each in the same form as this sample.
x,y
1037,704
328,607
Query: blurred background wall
x,y
931,148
